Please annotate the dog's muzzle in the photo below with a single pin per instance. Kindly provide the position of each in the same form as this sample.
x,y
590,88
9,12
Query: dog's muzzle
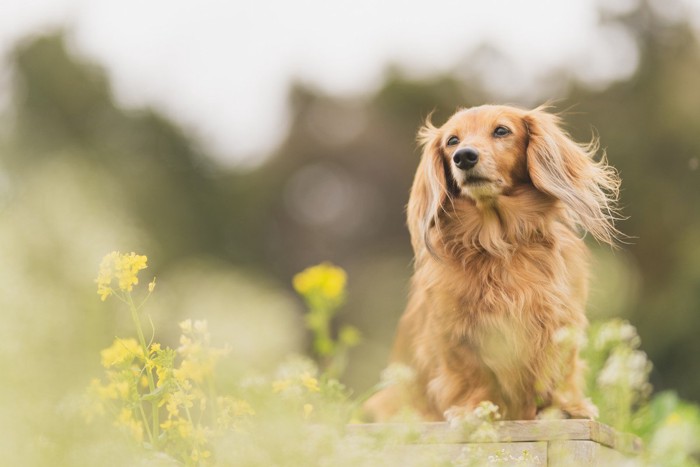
x,y
466,158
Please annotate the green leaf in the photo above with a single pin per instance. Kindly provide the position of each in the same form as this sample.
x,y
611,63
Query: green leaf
x,y
156,394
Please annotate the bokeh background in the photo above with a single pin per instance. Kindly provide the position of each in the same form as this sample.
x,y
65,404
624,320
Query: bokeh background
x,y
237,144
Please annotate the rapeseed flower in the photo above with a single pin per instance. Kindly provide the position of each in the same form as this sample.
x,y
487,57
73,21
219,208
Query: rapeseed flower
x,y
231,412
178,399
193,371
121,352
186,326
325,280
310,383
122,269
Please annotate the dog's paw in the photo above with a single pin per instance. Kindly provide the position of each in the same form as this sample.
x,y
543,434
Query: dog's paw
x,y
485,411
581,409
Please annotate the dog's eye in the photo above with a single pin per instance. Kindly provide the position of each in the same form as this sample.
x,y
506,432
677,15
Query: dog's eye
x,y
452,141
501,131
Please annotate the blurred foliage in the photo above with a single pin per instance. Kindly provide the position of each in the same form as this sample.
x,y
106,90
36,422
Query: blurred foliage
x,y
80,176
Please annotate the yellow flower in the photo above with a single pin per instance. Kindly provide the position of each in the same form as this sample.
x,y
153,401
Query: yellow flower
x,y
122,389
123,268
324,279
231,412
193,371
152,285
163,373
310,382
186,326
129,267
186,344
176,400
184,428
198,455
120,352
95,387
105,275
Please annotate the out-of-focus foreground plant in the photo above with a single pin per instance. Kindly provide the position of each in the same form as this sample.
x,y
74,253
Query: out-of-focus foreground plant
x,y
168,401
618,381
323,289
164,398
170,404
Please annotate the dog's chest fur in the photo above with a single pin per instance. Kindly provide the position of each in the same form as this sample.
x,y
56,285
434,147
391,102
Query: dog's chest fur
x,y
492,289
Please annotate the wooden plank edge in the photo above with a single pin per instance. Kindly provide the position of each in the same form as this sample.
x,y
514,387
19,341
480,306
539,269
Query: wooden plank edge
x,y
514,431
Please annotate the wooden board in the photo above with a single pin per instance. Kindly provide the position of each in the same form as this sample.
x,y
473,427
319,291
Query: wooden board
x,y
585,454
501,454
516,431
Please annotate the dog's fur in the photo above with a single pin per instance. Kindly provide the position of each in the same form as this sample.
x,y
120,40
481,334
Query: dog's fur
x,y
499,290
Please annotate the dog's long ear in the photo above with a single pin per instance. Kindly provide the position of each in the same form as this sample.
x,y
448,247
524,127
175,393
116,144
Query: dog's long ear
x,y
567,171
430,188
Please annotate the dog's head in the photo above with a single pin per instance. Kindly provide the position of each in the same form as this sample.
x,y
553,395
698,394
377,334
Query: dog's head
x,y
486,152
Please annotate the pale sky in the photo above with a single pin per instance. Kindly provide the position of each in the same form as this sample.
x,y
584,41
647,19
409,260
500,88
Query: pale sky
x,y
221,68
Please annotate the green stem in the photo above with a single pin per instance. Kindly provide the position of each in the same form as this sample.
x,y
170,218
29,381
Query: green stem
x,y
322,332
149,373
145,423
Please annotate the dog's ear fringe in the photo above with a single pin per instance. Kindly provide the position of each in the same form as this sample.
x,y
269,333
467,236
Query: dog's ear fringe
x,y
427,133
588,188
429,191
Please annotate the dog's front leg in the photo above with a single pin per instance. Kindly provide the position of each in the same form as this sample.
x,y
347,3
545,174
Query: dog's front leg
x,y
460,383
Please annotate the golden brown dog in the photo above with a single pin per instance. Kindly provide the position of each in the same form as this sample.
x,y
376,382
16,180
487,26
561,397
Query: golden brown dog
x,y
496,214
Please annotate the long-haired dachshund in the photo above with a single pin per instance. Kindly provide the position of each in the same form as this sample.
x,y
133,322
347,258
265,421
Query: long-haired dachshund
x,y
497,211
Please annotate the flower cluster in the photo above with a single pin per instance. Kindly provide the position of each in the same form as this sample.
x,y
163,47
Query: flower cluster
x,y
297,382
619,375
324,281
121,269
161,397
188,413
628,368
187,391
119,392
614,333
323,289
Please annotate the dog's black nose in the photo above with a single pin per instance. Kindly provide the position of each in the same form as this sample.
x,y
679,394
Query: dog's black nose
x,y
466,158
